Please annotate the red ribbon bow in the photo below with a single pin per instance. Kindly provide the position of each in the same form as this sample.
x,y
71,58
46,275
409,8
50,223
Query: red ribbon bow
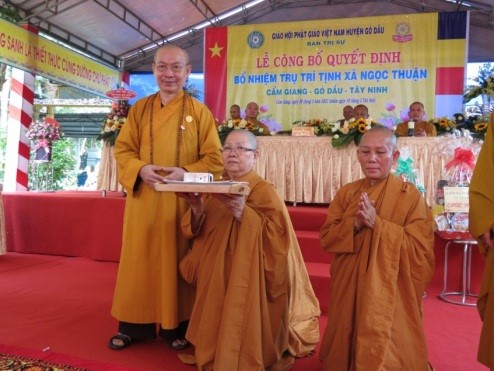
x,y
462,157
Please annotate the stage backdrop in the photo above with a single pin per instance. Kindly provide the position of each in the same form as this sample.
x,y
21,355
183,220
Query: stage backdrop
x,y
311,69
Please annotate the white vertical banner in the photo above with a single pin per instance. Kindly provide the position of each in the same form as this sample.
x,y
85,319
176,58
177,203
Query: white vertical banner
x,y
20,113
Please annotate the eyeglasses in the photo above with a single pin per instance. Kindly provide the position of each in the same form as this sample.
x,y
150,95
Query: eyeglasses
x,y
175,68
236,149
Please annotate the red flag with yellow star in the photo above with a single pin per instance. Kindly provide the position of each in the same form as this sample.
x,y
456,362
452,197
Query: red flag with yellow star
x,y
215,56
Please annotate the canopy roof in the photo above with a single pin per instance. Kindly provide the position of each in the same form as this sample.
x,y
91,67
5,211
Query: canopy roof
x,y
125,33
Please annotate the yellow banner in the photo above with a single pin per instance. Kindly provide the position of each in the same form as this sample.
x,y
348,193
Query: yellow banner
x,y
312,69
25,50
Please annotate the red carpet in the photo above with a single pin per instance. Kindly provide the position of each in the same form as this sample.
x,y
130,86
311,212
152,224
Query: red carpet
x,y
62,304
13,358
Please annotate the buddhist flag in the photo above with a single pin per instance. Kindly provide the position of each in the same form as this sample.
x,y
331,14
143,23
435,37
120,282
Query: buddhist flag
x,y
452,33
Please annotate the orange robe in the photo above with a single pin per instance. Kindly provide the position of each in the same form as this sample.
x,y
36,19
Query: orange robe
x,y
378,277
481,219
261,125
149,288
240,319
429,128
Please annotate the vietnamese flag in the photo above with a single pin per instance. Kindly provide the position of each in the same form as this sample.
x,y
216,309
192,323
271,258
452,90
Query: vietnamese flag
x,y
215,56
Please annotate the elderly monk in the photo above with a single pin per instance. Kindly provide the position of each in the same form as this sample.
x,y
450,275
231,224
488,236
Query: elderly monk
x,y
380,230
481,226
165,135
421,128
243,260
251,114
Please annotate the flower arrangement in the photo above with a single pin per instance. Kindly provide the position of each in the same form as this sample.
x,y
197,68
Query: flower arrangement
x,y
229,125
391,119
43,133
321,126
114,122
352,130
443,125
268,120
485,83
225,127
477,126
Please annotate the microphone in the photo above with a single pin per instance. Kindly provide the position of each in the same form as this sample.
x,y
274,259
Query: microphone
x,y
411,128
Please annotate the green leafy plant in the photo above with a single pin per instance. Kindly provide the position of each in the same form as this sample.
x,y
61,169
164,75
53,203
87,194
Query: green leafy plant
x,y
485,83
10,13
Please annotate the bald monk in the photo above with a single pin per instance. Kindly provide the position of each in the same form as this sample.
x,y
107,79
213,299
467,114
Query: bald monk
x,y
421,128
383,262
251,114
166,134
241,262
481,226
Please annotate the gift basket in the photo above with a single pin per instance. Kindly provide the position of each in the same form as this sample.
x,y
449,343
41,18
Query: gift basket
x,y
451,202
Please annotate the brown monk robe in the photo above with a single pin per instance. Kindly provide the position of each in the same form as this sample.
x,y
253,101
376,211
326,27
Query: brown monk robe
x,y
421,128
481,226
240,262
380,230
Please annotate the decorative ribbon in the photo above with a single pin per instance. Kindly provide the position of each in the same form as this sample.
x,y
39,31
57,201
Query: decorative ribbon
x,y
462,157
406,170
43,143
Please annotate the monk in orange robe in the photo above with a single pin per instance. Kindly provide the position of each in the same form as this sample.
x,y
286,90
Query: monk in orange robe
x,y
240,263
421,128
481,226
381,232
251,114
165,135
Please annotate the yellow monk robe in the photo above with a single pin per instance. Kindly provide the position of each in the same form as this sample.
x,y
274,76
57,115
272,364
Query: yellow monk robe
x,y
378,278
427,127
481,219
149,288
240,319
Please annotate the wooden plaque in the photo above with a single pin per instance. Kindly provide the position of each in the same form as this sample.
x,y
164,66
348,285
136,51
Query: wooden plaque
x,y
240,188
303,131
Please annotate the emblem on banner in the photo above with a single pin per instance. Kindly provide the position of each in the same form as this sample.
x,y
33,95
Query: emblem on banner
x,y
403,34
255,39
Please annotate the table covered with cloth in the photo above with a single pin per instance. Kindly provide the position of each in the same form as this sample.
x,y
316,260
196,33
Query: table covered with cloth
x,y
310,170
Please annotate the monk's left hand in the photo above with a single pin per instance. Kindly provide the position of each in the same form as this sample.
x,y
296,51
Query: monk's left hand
x,y
235,203
366,213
